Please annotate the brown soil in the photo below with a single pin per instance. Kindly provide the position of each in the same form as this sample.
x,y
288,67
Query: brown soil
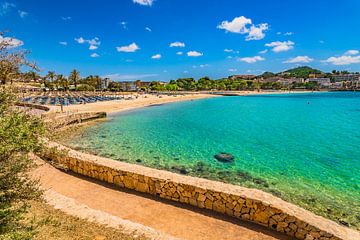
x,y
178,220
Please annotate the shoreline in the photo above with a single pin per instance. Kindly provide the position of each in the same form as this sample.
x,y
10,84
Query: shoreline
x,y
146,100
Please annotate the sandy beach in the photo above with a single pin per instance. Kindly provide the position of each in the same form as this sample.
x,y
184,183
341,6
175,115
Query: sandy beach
x,y
137,101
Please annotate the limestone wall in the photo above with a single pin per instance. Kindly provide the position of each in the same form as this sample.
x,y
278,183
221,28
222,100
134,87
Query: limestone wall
x,y
238,202
62,120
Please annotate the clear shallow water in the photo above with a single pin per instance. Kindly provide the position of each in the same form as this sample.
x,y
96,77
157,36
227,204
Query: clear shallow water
x,y
304,148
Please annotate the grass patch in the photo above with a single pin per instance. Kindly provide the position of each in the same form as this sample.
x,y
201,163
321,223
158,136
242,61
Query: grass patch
x,y
54,224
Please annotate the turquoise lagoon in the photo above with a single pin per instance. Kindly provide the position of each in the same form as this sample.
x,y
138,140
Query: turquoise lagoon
x,y
304,148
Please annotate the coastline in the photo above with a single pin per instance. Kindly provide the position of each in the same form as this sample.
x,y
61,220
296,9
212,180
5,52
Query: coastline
x,y
117,106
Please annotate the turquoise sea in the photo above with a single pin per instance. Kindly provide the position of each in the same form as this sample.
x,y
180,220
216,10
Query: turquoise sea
x,y
304,148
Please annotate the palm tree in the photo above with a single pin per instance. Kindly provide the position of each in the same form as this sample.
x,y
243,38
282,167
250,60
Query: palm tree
x,y
74,77
63,81
51,76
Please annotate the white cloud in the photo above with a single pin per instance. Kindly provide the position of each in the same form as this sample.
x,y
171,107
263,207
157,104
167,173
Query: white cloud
x,y
281,46
144,2
94,55
179,53
156,56
128,77
80,40
232,70
201,66
11,42
63,43
299,59
177,44
263,51
194,54
6,7
257,32
93,43
351,52
123,24
129,48
66,18
22,14
148,29
251,59
93,47
228,50
237,25
343,60
244,25
288,33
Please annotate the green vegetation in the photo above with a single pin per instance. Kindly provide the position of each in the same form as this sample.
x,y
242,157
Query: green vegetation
x,y
19,136
301,72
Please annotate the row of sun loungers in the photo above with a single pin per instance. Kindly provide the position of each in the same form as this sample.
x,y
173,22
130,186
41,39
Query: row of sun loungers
x,y
68,100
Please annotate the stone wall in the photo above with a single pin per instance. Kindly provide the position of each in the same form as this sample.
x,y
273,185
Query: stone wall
x,y
239,202
62,120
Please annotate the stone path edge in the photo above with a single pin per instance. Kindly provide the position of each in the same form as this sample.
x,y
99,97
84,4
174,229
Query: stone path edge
x,y
239,202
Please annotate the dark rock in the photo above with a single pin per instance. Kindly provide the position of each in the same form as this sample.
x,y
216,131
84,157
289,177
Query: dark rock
x,y
138,160
245,176
199,167
224,157
180,170
344,223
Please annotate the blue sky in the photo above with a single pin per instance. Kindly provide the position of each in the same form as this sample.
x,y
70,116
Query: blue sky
x,y
130,39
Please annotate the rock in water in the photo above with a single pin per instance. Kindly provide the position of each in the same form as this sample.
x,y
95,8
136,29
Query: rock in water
x,y
224,157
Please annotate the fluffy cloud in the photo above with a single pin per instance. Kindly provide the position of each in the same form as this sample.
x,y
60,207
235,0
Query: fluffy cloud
x,y
281,46
93,47
11,42
63,43
343,60
243,25
6,7
22,14
257,32
177,44
299,59
251,59
237,25
351,52
148,29
144,2
349,57
94,55
156,56
179,53
232,70
263,51
80,40
93,43
194,54
129,48
228,50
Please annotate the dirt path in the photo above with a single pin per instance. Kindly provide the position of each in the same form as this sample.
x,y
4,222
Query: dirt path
x,y
178,220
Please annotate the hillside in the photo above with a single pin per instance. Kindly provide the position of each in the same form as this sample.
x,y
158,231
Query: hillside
x,y
301,72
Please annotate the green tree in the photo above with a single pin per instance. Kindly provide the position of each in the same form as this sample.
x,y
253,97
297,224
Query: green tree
x,y
19,136
50,76
11,60
74,77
